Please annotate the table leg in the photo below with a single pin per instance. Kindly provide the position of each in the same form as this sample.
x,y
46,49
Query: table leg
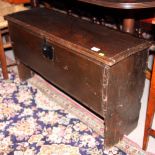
x,y
128,25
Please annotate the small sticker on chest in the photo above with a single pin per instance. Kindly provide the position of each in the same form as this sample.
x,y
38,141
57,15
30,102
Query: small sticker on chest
x,y
98,50
95,49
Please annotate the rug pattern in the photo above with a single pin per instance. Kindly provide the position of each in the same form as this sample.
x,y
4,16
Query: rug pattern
x,y
33,124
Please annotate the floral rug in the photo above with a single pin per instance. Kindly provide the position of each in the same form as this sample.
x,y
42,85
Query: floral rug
x,y
32,123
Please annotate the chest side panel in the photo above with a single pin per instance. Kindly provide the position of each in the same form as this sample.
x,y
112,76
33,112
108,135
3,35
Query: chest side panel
x,y
125,88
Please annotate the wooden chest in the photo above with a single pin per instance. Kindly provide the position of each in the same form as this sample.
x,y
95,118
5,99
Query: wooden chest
x,y
101,68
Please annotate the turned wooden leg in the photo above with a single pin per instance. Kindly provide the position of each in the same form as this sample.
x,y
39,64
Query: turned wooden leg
x,y
129,25
150,110
23,71
3,59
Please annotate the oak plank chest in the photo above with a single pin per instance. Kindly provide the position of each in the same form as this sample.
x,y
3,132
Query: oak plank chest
x,y
102,69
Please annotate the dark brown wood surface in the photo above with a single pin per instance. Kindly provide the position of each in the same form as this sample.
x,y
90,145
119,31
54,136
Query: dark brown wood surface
x,y
119,4
63,71
124,92
23,71
79,35
123,4
111,91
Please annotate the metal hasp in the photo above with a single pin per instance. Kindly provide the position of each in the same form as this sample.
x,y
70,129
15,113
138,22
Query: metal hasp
x,y
47,50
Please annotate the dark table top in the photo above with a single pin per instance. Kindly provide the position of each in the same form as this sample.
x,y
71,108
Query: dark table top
x,y
123,4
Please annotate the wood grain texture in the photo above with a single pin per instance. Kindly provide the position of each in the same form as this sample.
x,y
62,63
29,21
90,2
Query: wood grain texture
x,y
23,71
110,90
67,71
80,36
125,89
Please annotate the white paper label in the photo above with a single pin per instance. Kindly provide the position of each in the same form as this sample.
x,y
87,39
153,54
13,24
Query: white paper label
x,y
95,49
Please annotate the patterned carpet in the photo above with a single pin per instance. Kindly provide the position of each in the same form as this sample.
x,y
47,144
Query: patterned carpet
x,y
32,123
